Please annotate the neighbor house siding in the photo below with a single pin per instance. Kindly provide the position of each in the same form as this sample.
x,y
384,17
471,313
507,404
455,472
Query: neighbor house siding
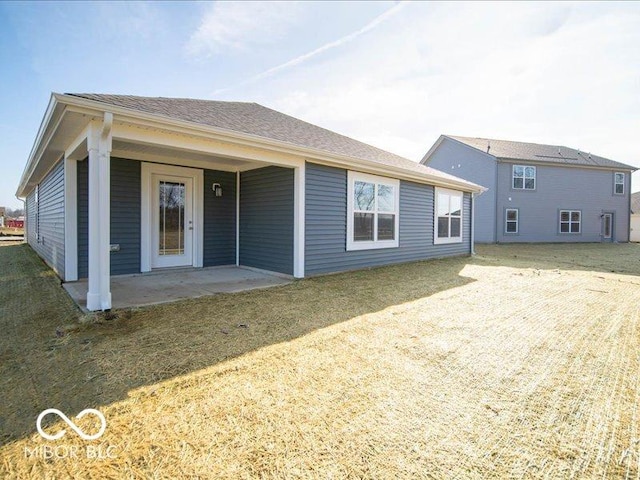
x,y
124,213
326,225
47,218
560,188
266,219
465,162
219,219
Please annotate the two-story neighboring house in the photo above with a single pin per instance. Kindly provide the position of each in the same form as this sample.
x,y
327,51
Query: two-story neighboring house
x,y
539,193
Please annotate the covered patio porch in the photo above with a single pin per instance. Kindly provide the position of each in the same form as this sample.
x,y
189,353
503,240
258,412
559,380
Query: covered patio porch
x,y
152,288
240,205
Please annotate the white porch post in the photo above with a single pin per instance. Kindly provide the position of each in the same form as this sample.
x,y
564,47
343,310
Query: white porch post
x,y
99,146
70,219
298,221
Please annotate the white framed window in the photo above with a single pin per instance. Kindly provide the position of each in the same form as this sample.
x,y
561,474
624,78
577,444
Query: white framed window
x,y
373,211
511,219
448,216
618,183
570,221
524,177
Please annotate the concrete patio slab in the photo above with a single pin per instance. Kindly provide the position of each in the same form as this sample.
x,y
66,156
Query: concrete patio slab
x,y
171,285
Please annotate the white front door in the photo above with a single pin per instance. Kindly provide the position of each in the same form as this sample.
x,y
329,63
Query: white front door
x,y
172,200
172,221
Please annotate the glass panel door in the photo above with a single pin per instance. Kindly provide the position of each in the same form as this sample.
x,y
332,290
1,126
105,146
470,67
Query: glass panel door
x,y
172,228
171,216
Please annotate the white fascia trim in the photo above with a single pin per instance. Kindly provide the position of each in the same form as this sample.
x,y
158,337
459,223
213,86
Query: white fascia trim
x,y
299,221
36,147
427,156
436,239
352,245
70,220
156,121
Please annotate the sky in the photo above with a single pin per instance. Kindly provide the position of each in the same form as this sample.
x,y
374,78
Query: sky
x,y
392,74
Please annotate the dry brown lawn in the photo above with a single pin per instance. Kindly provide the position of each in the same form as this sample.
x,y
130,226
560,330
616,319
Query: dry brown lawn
x,y
521,362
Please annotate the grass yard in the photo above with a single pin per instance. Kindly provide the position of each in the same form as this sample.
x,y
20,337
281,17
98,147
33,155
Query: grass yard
x,y
521,362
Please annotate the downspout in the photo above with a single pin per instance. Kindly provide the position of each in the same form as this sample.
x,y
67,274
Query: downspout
x,y
238,218
473,223
24,210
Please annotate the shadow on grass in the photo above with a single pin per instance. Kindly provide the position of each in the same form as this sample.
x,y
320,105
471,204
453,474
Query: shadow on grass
x,y
99,364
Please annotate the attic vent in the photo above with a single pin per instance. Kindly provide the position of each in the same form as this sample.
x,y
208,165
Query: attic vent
x,y
488,146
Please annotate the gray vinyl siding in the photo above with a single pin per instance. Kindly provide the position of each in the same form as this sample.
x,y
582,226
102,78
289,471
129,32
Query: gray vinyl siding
x,y
219,219
470,164
124,213
47,218
266,219
83,218
326,225
562,188
30,217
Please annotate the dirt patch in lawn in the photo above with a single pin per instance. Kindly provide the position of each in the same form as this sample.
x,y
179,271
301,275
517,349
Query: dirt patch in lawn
x,y
505,365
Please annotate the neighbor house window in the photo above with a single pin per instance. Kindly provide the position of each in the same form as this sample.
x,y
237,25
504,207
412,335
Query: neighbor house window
x,y
570,221
511,220
618,183
524,178
448,216
373,211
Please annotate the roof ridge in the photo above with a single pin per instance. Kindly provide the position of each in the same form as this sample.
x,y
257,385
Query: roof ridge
x,y
126,95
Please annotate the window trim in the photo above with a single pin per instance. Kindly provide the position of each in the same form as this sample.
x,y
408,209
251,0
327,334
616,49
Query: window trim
x,y
353,245
524,178
444,240
560,222
506,220
615,183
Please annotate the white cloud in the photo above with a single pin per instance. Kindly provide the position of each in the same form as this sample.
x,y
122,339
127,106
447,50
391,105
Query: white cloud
x,y
240,25
550,73
327,46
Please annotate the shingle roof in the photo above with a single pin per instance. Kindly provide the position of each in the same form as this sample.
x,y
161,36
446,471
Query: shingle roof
x,y
635,203
254,119
506,149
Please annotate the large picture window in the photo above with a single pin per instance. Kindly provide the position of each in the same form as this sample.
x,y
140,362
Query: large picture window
x,y
570,221
618,183
373,212
448,216
524,177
